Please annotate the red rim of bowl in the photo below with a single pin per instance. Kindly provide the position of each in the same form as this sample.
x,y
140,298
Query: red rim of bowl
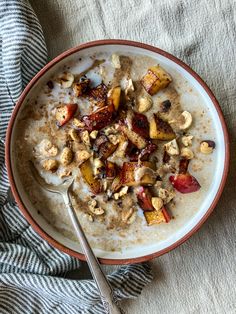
x,y
17,197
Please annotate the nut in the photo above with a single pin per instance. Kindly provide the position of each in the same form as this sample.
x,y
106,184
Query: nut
x,y
122,192
95,210
187,140
166,195
50,165
114,139
187,153
110,130
74,135
144,103
157,203
207,147
66,156
172,148
94,134
126,214
77,123
115,60
81,156
129,88
65,79
85,138
185,120
47,149
98,166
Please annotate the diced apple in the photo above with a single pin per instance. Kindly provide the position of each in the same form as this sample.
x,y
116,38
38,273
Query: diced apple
x,y
183,165
128,173
136,139
106,149
64,113
113,97
98,95
160,129
140,125
156,217
110,170
99,119
185,183
87,174
155,79
144,199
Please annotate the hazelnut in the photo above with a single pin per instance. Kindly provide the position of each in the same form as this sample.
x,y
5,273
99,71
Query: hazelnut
x,y
94,134
166,195
115,60
50,165
81,156
207,147
144,103
185,120
157,203
187,153
77,123
47,149
85,138
187,140
172,148
74,135
66,156
65,79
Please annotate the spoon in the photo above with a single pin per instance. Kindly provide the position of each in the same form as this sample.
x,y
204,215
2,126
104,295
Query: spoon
x,y
108,298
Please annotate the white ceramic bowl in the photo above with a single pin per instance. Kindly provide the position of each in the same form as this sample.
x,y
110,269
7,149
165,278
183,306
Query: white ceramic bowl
x,y
141,253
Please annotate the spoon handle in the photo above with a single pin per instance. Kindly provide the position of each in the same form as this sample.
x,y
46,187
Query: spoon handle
x,y
107,296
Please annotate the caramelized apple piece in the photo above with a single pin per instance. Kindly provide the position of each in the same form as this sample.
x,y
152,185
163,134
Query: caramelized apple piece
x,y
185,183
106,149
136,154
156,217
160,129
183,165
113,97
64,113
147,151
87,174
144,199
99,119
136,139
128,173
140,125
155,79
116,183
110,170
81,88
98,95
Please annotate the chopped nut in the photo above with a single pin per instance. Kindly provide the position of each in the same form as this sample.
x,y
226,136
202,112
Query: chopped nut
x,y
185,120
187,153
92,203
206,147
114,139
94,134
47,149
122,192
81,156
110,130
85,138
115,60
157,203
74,135
166,195
187,140
90,218
95,210
132,218
172,148
144,103
50,165
126,214
98,166
66,156
66,79
77,123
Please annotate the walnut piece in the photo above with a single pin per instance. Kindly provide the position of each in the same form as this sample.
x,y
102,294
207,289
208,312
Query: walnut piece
x,y
66,156
187,140
172,148
50,165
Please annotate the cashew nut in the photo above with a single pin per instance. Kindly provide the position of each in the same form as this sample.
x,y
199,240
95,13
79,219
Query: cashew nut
x,y
172,148
187,153
186,120
66,79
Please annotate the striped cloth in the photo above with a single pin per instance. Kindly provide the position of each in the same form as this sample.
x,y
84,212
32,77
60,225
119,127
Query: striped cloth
x,y
30,267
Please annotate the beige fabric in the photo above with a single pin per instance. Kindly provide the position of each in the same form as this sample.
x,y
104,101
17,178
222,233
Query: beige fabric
x,y
199,276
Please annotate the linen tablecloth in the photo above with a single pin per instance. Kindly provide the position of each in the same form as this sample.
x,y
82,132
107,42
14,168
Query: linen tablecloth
x,y
199,276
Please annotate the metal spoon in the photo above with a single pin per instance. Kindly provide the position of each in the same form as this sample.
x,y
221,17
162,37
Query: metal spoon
x,y
106,292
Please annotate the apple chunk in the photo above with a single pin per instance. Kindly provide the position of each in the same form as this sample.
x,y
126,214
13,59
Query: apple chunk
x,y
160,129
185,183
130,170
64,113
157,217
99,119
88,176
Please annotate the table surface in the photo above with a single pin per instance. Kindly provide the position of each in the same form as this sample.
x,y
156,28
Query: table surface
x,y
199,276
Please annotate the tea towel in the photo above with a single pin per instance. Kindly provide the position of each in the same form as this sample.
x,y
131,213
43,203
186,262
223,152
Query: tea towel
x,y
31,271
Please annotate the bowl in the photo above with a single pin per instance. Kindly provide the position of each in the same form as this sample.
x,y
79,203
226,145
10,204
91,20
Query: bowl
x,y
142,253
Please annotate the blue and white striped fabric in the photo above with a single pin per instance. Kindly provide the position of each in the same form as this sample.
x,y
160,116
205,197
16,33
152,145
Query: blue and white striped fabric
x,y
29,265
